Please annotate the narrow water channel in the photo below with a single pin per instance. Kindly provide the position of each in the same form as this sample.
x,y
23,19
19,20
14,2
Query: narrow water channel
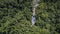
x,y
35,4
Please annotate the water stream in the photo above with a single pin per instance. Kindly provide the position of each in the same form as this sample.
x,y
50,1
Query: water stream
x,y
35,4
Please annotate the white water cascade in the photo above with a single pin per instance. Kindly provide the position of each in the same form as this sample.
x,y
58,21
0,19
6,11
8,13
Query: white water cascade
x,y
35,4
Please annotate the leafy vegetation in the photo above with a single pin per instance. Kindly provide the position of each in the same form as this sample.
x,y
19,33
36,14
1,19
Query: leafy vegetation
x,y
15,17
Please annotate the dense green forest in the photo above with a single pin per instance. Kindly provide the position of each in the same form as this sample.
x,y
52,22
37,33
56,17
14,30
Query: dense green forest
x,y
15,17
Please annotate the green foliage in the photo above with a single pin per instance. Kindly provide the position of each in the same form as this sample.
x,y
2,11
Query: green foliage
x,y
15,17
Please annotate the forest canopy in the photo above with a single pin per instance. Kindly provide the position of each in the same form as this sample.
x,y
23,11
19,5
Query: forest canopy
x,y
15,17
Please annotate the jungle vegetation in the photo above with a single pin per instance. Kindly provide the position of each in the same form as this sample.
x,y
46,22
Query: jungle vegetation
x,y
15,17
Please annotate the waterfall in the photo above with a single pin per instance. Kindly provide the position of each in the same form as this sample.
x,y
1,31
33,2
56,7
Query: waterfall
x,y
35,4
33,17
